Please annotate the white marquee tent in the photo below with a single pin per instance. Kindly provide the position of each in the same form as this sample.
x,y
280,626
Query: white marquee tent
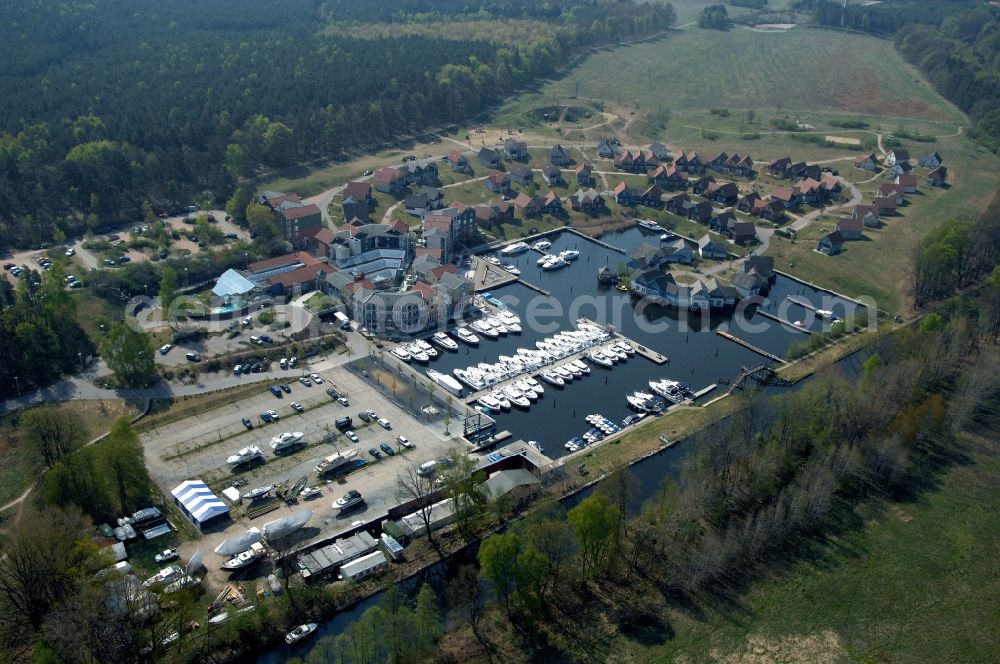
x,y
198,502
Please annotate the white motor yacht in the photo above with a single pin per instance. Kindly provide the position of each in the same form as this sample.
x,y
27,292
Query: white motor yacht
x,y
501,399
489,402
534,384
245,455
597,357
536,445
542,245
466,336
515,397
335,461
444,341
445,381
401,353
299,633
285,440
554,264
484,328
526,389
497,325
543,260
246,558
566,374
418,354
582,366
515,248
553,378
569,255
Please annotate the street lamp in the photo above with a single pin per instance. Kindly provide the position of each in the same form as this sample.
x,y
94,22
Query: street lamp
x,y
80,355
186,282
246,260
18,384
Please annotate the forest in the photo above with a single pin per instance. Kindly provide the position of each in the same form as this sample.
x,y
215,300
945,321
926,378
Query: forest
x,y
106,105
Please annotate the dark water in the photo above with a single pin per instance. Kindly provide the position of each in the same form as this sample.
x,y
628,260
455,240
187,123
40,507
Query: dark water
x,y
697,355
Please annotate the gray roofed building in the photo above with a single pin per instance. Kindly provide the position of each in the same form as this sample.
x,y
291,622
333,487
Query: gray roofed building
x,y
517,482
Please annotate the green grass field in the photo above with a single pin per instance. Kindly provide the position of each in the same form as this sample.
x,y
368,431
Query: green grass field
x,y
801,69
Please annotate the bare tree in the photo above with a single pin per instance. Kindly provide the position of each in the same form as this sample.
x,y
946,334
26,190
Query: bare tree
x,y
411,486
465,597
52,432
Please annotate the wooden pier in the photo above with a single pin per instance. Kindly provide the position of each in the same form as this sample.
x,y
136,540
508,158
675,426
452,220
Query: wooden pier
x,y
749,346
784,322
595,240
804,305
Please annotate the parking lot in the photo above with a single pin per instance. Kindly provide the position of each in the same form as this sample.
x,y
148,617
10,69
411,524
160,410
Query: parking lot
x,y
197,447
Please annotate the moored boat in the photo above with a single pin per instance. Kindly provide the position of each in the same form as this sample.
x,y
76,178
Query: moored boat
x,y
401,353
300,632
466,336
515,248
445,381
444,341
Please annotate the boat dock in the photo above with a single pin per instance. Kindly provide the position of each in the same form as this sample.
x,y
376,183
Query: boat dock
x,y
488,276
648,353
702,392
533,287
596,241
749,346
801,303
784,322
493,441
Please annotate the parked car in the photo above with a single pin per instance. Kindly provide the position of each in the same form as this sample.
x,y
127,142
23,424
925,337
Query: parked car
x,y
385,447
283,363
292,361
71,251
334,394
374,452
276,391
274,415
364,417
343,401
193,357
265,417
384,423
124,259
297,407
353,437
286,388
110,262
256,367
76,283
247,423
165,348
368,173
405,442
305,381
371,413
316,378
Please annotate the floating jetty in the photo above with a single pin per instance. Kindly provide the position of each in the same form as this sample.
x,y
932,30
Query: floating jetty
x,y
748,345
784,322
648,353
492,441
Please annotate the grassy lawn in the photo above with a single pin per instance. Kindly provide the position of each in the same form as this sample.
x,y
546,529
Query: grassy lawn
x,y
799,69
19,467
916,583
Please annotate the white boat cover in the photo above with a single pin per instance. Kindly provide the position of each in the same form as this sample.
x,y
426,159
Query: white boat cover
x,y
194,564
239,544
279,528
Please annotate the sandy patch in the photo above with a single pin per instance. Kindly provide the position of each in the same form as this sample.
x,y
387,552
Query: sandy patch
x,y
812,649
136,256
845,140
186,244
773,27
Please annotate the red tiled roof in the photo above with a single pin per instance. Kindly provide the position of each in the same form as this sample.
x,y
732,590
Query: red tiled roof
x,y
299,212
325,235
399,226
270,263
278,200
523,200
300,276
357,190
783,194
424,289
620,187
355,285
427,251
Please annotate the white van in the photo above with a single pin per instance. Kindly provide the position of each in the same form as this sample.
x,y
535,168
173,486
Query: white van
x,y
427,469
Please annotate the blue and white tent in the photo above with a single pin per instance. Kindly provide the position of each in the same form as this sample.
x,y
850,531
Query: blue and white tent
x,y
198,502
